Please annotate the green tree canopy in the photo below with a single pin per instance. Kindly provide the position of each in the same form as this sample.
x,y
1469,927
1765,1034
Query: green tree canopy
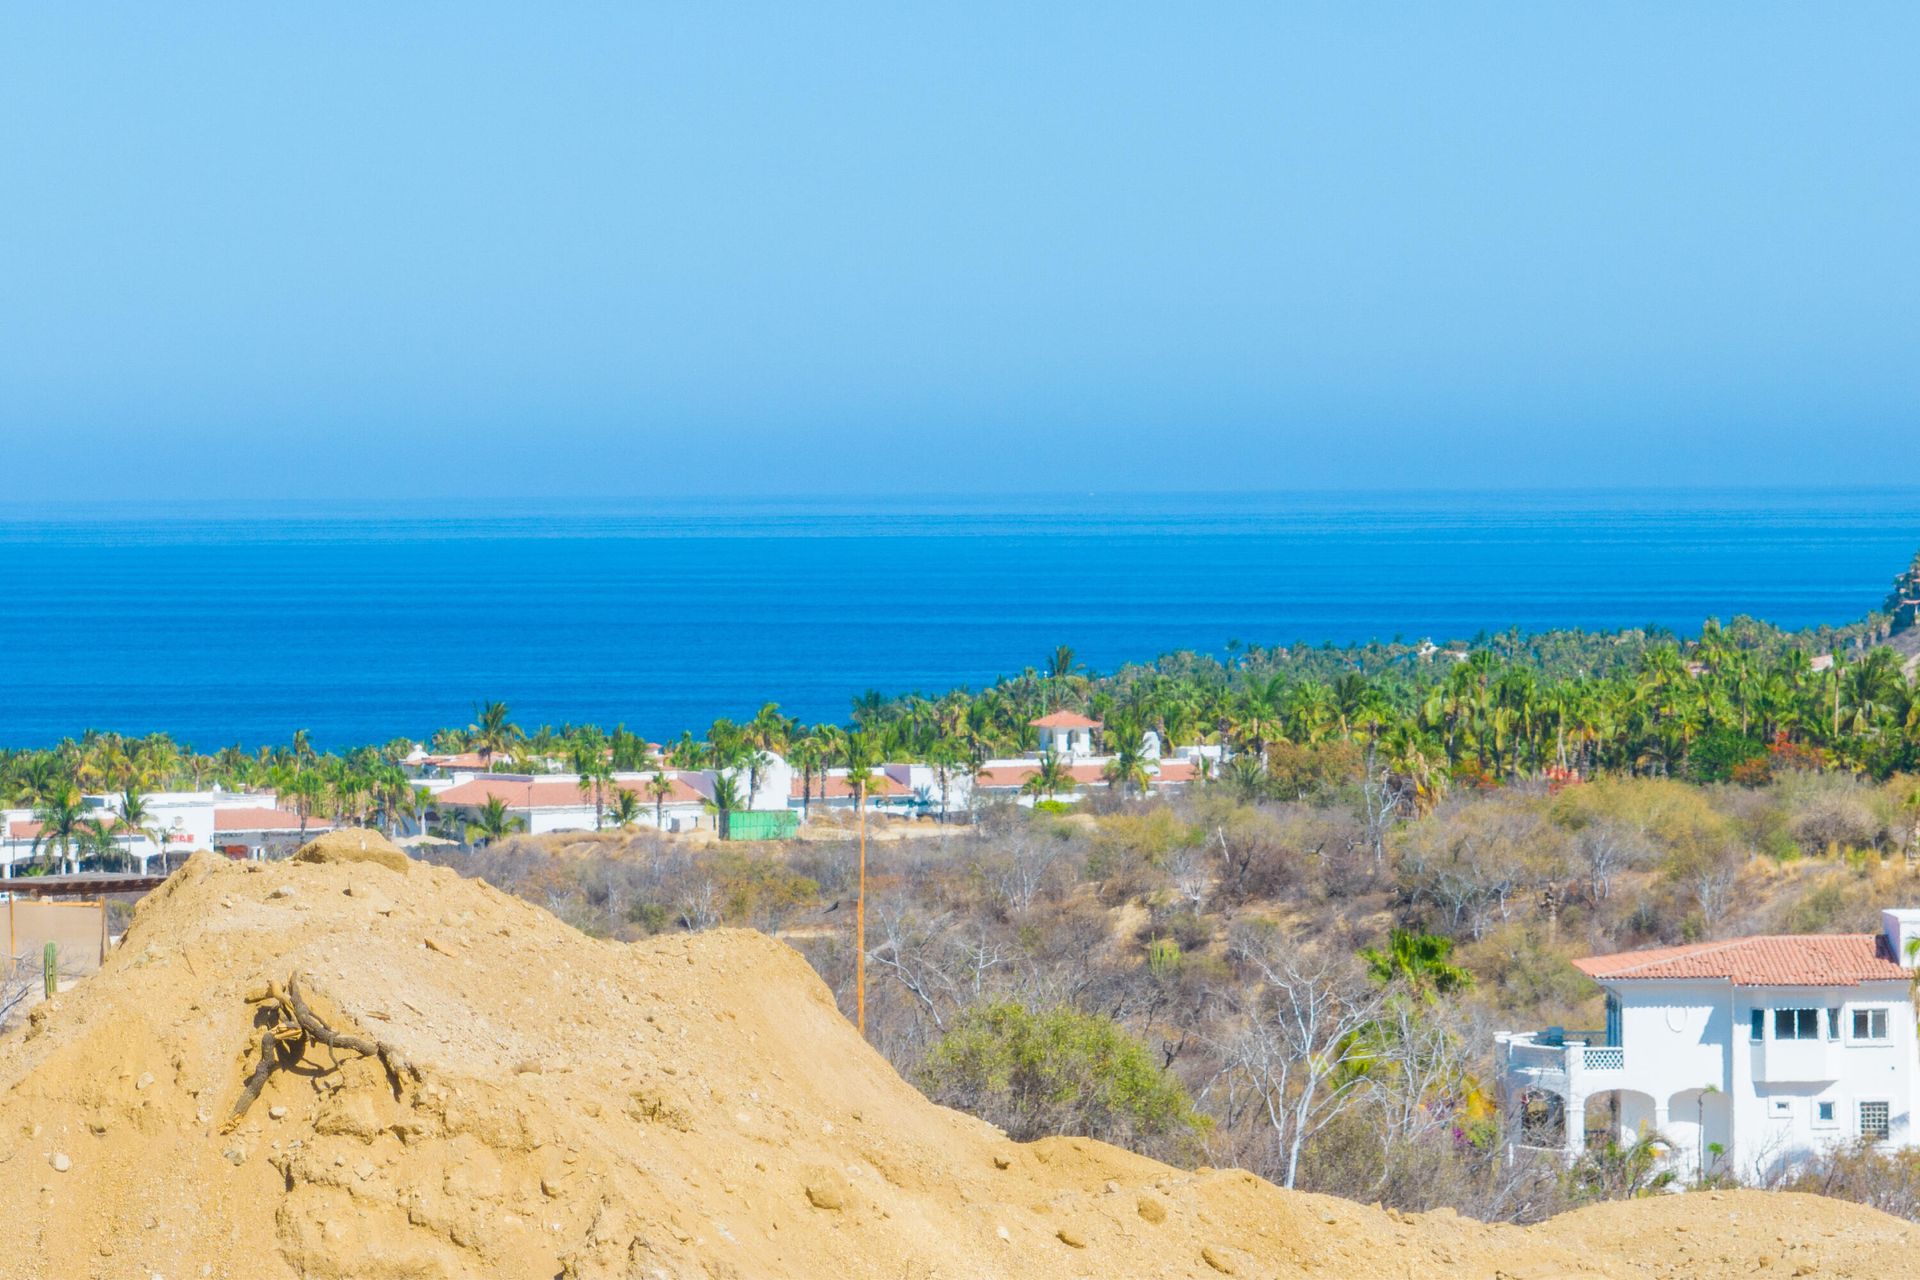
x,y
1059,1071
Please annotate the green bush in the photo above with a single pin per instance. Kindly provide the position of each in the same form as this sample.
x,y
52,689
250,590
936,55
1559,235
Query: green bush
x,y
1719,751
650,916
1059,1071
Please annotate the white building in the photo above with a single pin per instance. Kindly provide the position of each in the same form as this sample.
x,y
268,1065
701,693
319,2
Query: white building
x,y
1744,1056
1066,734
890,790
555,802
241,824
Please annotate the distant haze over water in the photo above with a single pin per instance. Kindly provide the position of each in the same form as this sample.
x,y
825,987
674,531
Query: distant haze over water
x,y
363,624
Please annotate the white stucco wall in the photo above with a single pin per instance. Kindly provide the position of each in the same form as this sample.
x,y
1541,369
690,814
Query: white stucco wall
x,y
1692,1072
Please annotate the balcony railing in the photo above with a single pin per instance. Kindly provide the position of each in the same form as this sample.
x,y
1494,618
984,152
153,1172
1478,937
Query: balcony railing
x,y
1603,1058
1571,1053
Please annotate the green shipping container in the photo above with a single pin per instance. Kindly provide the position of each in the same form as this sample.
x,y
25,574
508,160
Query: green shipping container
x,y
762,824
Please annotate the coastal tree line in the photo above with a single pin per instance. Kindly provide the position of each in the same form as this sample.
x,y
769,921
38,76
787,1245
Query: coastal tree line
x,y
1727,705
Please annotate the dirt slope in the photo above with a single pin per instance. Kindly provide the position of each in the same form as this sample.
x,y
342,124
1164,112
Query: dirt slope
x,y
688,1107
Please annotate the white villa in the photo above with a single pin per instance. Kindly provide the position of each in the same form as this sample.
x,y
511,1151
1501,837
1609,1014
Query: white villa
x,y
241,824
555,802
1744,1056
1066,734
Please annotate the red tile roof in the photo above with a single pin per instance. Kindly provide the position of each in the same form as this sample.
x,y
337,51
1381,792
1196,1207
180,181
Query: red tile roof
x,y
549,794
1175,771
1064,720
1804,960
831,787
29,830
243,818
1016,775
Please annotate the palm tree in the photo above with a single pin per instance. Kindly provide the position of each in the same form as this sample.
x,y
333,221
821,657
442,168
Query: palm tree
x,y
723,802
660,786
626,808
1050,778
1422,960
492,822
769,731
407,802
305,789
809,756
1060,669
858,755
1128,768
134,815
492,733
63,823
947,755
596,772
99,842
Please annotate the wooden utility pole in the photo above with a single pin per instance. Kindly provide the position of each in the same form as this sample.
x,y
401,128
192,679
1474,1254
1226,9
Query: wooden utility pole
x,y
860,915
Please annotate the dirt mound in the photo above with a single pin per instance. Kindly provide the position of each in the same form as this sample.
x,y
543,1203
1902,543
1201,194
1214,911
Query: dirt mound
x,y
354,844
544,1105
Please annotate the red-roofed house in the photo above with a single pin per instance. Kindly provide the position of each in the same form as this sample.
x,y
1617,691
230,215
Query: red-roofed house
x,y
240,823
261,831
1066,733
1746,1055
556,802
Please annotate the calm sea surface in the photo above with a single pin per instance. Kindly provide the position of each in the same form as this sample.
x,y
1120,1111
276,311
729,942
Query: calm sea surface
x,y
365,624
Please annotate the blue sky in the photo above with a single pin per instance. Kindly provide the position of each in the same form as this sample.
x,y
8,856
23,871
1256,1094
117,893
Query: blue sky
x,y
446,251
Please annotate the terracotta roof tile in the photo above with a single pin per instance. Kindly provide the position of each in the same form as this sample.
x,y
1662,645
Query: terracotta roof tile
x,y
1804,960
1064,720
255,818
1017,775
545,793
834,787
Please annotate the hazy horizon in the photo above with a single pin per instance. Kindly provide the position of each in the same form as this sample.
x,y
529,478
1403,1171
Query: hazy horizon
x,y
431,254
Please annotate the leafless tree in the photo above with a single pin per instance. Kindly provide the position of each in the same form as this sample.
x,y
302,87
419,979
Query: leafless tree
x,y
1606,849
1191,877
915,950
17,985
1019,869
1300,1049
700,906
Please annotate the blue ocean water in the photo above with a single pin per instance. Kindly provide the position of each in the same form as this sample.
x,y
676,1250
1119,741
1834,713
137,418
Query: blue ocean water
x,y
363,624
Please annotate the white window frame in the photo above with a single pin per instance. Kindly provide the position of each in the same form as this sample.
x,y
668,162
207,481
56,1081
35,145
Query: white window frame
x,y
1868,1011
1832,1121
1859,1129
1780,1109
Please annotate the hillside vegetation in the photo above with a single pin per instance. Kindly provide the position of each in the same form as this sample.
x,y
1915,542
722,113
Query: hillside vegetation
x,y
525,1101
1319,992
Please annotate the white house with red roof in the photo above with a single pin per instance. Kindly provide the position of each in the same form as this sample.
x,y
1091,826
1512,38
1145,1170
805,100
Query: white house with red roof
x,y
556,802
1065,733
241,824
1744,1056
890,789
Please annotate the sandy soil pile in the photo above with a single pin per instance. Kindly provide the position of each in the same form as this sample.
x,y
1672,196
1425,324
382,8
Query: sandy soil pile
x,y
687,1107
